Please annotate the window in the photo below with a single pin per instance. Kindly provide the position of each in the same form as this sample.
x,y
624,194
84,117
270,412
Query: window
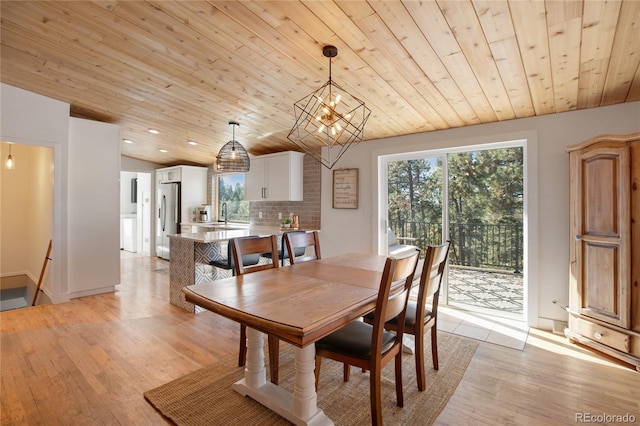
x,y
231,192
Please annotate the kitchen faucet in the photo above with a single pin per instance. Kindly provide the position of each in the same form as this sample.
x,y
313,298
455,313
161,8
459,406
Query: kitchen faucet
x,y
224,206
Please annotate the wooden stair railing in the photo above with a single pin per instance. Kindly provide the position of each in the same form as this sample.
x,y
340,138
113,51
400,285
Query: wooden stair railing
x,y
44,267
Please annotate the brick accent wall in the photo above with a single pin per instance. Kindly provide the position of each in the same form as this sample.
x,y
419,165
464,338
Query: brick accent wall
x,y
308,210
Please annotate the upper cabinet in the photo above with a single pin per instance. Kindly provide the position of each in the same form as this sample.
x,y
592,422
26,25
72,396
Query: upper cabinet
x,y
170,174
275,177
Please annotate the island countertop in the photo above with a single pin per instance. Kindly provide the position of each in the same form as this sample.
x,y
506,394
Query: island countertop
x,y
222,225
192,254
225,235
212,236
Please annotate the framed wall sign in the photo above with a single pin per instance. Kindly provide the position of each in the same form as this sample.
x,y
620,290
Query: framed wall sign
x,y
345,189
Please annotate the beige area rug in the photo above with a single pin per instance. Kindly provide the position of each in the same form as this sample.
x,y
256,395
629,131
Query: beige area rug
x,y
205,397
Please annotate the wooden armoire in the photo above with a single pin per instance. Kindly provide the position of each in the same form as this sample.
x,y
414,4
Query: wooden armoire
x,y
604,281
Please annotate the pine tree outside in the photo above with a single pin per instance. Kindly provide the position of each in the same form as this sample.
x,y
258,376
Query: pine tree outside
x,y
231,192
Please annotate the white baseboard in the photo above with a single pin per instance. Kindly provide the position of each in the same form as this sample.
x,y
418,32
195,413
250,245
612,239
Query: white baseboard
x,y
92,292
13,274
545,324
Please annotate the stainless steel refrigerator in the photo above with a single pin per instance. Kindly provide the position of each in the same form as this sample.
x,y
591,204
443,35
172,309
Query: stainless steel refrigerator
x,y
168,199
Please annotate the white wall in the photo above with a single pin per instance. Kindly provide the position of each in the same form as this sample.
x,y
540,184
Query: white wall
x,y
346,231
13,207
40,213
94,211
128,164
85,224
31,119
26,210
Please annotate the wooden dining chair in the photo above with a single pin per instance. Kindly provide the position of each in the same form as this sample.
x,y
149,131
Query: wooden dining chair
x,y
245,248
419,319
297,244
228,263
282,253
370,346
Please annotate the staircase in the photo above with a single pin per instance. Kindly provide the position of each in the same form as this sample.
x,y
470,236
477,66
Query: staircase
x,y
15,292
13,298
18,291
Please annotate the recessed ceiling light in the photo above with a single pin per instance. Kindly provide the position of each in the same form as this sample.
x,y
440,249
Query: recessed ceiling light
x,y
163,150
154,131
192,143
127,141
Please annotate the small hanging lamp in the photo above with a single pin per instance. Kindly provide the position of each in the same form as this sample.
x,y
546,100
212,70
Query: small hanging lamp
x,y
10,163
232,156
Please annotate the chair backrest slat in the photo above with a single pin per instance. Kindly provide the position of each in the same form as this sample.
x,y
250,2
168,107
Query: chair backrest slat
x,y
296,244
249,259
436,271
392,303
242,247
433,268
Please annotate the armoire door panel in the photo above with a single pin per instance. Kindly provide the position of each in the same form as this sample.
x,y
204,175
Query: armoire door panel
x,y
601,291
603,230
600,186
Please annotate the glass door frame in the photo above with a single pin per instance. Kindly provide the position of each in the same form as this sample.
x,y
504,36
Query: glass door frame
x,y
530,209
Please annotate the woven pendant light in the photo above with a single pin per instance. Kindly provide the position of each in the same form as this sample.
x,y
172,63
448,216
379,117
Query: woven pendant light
x,y
232,156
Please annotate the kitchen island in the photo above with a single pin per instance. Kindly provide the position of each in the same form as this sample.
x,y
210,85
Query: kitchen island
x,y
191,254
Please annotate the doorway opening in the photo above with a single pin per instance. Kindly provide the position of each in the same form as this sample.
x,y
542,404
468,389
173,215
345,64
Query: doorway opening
x,y
474,198
135,214
27,212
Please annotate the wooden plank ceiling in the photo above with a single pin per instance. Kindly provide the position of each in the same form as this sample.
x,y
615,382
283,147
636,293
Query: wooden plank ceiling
x,y
188,68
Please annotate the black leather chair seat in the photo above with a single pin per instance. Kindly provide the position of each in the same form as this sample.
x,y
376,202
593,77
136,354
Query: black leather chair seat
x,y
227,263
248,260
282,253
410,319
354,339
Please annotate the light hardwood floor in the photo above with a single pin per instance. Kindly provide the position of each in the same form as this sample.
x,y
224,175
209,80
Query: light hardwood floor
x,y
87,362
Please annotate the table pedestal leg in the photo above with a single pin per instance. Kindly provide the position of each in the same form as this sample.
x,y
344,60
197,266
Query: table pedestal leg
x,y
255,374
304,388
299,408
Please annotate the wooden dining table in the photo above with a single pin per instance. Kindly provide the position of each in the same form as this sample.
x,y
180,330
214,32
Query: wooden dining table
x,y
299,304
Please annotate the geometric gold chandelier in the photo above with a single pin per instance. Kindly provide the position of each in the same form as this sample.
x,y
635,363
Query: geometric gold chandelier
x,y
330,118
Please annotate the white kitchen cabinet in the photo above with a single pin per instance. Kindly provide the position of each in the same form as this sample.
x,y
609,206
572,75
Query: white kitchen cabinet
x,y
193,186
275,177
170,174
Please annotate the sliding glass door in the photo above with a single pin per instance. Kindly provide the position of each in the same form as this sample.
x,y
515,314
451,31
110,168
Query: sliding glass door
x,y
474,199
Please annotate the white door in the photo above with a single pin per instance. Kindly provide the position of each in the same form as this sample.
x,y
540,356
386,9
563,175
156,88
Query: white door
x,y
145,233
